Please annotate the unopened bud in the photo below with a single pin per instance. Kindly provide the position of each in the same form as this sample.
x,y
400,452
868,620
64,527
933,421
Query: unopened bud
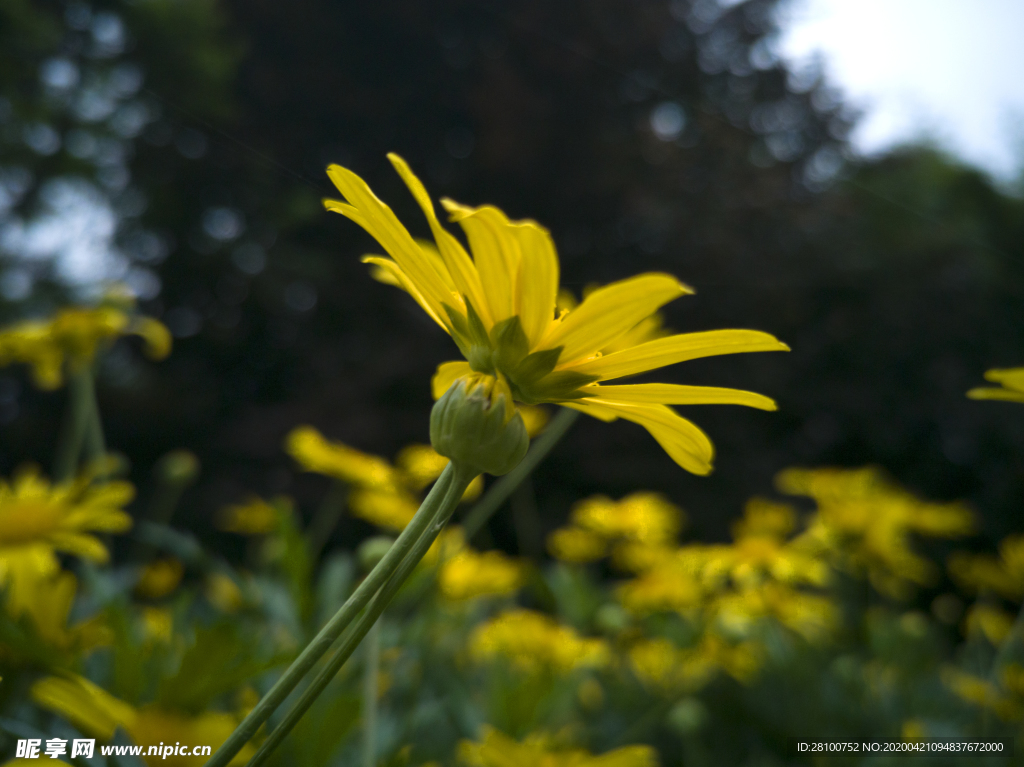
x,y
476,425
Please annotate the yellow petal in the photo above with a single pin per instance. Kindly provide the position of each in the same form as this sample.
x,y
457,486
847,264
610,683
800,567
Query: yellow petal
x,y
1012,378
460,266
380,221
447,373
679,348
394,272
90,708
675,394
681,439
538,280
989,392
609,312
495,252
155,334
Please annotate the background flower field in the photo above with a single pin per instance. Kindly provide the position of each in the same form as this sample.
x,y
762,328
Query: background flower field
x,y
214,421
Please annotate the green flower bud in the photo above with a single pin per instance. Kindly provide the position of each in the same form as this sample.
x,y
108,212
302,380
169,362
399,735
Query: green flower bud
x,y
476,425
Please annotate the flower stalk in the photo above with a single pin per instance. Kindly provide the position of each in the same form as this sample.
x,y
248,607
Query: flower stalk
x,y
407,550
457,482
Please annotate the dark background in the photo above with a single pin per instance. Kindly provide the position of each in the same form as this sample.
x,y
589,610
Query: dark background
x,y
897,282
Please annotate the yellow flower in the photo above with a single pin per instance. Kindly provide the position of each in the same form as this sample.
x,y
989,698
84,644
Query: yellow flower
x,y
659,664
223,593
254,517
98,714
496,749
37,590
865,521
534,642
1011,387
576,545
468,574
34,513
379,493
645,517
159,578
69,340
500,308
810,615
157,624
981,692
992,622
421,465
314,453
1003,575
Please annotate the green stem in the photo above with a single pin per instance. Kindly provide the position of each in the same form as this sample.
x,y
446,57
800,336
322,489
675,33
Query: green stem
x,y
95,443
366,621
322,642
76,424
326,519
370,696
502,489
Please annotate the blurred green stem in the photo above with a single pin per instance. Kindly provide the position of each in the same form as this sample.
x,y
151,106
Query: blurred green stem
x,y
457,486
502,489
326,519
81,422
370,696
438,504
525,520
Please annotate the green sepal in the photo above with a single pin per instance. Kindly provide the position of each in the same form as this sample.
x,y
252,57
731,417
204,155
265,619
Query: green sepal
x,y
562,385
535,366
510,343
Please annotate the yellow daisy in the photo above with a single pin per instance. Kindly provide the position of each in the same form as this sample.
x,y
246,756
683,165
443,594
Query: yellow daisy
x,y
69,340
501,307
37,515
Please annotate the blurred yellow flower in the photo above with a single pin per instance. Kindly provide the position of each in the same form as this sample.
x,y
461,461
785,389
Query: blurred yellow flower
x,y
1011,388
70,339
990,621
379,493
315,453
254,517
157,624
223,593
670,587
34,513
534,642
576,545
1003,575
98,714
159,578
495,749
390,510
500,306
982,692
865,522
421,464
813,616
39,592
468,574
659,664
645,517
